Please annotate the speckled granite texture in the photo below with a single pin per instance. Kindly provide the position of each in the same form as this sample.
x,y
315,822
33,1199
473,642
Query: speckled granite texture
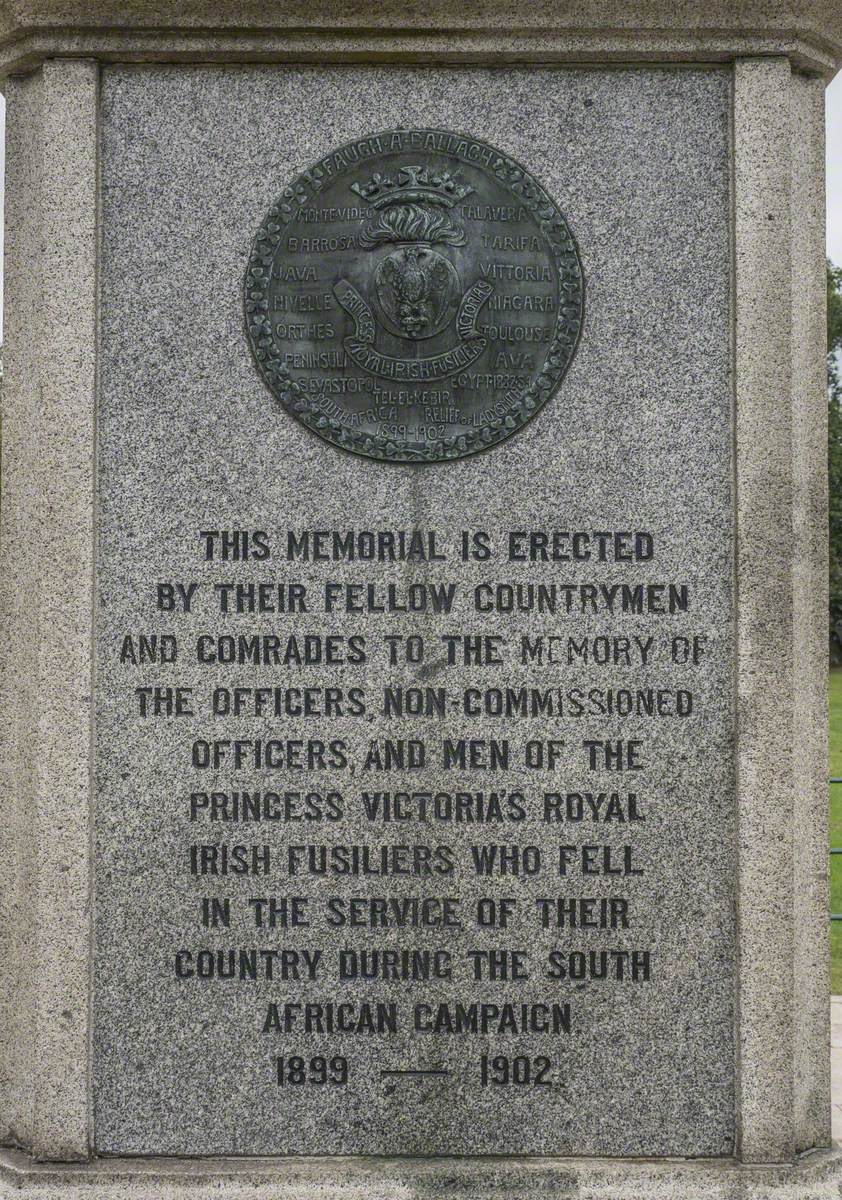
x,y
639,437
815,1177
46,618
808,32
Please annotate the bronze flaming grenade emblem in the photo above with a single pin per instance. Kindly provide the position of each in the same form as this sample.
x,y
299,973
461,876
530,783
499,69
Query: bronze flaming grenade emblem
x,y
418,290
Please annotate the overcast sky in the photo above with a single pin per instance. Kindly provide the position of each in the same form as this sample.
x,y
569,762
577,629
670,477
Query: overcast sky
x,y
834,173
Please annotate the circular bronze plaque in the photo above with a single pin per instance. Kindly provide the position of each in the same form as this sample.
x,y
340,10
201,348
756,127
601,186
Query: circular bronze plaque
x,y
414,296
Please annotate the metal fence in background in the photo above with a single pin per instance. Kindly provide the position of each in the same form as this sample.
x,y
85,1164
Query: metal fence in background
x,y
835,850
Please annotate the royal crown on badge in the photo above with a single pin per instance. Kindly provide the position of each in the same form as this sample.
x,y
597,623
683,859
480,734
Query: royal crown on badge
x,y
412,185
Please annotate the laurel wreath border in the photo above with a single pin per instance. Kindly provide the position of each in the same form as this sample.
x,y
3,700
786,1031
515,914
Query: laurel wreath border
x,y
536,394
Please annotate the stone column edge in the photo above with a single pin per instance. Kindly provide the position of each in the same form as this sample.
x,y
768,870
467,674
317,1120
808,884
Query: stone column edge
x,y
47,565
764,684
810,608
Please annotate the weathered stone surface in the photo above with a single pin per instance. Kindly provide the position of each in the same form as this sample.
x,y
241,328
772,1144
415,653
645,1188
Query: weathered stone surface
x,y
765,699
191,160
815,1177
47,570
808,33
809,419
638,438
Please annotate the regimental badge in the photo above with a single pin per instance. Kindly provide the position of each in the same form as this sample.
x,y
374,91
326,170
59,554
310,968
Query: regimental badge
x,y
415,296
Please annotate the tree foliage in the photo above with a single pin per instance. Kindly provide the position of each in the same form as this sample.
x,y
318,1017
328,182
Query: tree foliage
x,y
834,452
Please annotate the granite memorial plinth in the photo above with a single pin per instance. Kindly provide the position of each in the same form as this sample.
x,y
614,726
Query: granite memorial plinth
x,y
413,603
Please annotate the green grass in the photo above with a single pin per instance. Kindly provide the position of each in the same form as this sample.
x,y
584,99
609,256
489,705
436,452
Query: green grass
x,y
835,696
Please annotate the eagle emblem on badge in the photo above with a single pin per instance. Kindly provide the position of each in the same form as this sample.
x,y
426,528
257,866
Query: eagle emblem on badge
x,y
418,292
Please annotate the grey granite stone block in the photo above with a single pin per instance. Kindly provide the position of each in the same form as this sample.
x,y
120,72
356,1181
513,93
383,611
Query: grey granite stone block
x,y
47,591
639,437
765,685
694,408
815,1177
809,424
807,32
